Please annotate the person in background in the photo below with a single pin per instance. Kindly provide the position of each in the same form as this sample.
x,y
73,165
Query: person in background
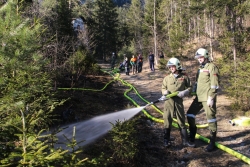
x,y
205,88
122,64
139,63
133,64
161,56
179,82
151,59
126,65
113,59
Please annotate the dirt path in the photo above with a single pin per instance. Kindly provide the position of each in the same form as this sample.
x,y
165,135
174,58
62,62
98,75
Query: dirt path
x,y
237,138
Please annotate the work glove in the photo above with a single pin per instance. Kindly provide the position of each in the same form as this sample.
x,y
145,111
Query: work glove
x,y
163,98
183,93
210,101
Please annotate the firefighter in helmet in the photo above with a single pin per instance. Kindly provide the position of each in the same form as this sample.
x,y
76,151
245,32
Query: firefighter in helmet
x,y
175,81
205,89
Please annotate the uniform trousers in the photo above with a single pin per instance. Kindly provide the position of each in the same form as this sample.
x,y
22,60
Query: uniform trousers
x,y
195,107
173,106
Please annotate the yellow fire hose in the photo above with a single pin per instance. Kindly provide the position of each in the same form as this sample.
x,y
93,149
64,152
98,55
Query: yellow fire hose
x,y
224,148
240,121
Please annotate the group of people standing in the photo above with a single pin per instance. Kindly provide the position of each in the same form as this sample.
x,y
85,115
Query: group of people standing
x,y
135,63
205,90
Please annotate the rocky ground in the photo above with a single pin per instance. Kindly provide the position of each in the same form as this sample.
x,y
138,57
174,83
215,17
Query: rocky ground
x,y
148,85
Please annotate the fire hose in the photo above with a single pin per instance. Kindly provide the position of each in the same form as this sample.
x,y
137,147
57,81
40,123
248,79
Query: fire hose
x,y
220,146
224,148
240,121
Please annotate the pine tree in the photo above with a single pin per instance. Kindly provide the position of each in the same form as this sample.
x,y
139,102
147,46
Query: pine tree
x,y
123,33
58,40
234,42
135,24
173,30
103,31
27,100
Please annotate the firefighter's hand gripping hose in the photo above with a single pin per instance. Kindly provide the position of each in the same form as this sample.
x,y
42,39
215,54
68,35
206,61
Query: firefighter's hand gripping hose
x,y
163,98
113,73
224,148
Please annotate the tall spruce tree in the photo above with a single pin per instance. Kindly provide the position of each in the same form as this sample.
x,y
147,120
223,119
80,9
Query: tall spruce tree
x,y
234,43
135,24
150,32
27,101
56,15
163,25
103,31
123,33
148,26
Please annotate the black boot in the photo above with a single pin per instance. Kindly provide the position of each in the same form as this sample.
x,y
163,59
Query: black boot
x,y
184,137
167,137
211,145
192,134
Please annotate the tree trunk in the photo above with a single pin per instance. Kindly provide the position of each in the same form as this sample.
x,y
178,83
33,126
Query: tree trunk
x,y
155,35
211,34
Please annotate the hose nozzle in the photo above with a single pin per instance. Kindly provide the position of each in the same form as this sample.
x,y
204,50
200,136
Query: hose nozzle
x,y
163,98
149,104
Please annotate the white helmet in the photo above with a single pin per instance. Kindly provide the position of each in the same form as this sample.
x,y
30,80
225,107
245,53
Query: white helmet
x,y
174,62
201,52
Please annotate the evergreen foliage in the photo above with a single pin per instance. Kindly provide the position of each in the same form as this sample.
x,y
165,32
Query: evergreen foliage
x,y
134,19
63,22
58,41
38,48
123,33
164,24
162,64
104,29
234,43
21,92
148,25
124,142
178,37
76,67
27,100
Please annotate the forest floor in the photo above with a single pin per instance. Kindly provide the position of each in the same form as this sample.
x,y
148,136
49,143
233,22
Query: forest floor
x,y
148,85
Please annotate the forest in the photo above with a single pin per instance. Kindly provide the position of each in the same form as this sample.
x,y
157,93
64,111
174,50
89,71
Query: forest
x,y
41,51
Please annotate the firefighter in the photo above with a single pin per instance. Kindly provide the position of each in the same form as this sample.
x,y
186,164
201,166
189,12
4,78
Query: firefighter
x,y
176,81
205,88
